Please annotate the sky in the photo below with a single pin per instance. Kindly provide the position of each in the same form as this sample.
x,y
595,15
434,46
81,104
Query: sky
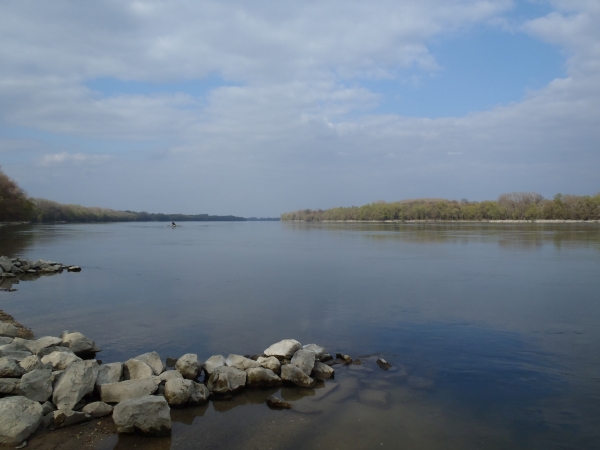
x,y
258,108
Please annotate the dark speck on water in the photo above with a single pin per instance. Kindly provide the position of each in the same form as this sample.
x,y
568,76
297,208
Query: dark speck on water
x,y
489,331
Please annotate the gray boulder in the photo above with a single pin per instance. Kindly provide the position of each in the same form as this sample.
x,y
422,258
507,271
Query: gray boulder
x,y
60,360
14,354
169,375
6,263
37,385
293,374
125,390
322,371
5,340
226,380
37,345
97,409
283,349
53,348
261,377
48,407
148,415
318,351
56,375
19,418
109,373
77,380
134,369
213,362
64,418
189,366
10,369
305,360
33,362
78,343
153,360
199,395
241,362
10,386
178,391
270,362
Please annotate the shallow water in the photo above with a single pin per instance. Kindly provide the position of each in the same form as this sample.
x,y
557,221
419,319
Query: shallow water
x,y
492,328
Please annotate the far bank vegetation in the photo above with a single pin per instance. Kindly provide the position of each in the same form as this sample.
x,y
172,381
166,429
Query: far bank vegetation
x,y
513,206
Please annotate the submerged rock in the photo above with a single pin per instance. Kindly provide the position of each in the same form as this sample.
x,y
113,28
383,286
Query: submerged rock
x,y
383,364
344,358
189,366
276,403
283,349
149,415
19,418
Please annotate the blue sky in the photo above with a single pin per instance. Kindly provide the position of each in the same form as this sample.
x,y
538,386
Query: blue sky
x,y
254,110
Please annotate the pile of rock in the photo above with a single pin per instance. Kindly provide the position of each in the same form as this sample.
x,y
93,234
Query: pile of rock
x,y
56,382
12,267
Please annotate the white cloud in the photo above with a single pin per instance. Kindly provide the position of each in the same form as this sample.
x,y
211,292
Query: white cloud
x,y
72,158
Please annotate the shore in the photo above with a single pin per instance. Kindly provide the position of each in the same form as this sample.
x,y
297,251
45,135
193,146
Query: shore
x,y
447,221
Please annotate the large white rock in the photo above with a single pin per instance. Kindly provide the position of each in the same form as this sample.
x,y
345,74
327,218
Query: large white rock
x,y
37,385
317,349
78,343
109,373
60,360
213,362
261,377
189,366
241,362
125,390
293,374
134,369
305,360
322,371
97,409
148,415
76,381
226,380
33,362
169,375
269,362
153,360
19,418
8,329
10,369
283,349
178,391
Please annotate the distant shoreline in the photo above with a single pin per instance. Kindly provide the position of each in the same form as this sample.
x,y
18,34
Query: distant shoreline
x,y
445,221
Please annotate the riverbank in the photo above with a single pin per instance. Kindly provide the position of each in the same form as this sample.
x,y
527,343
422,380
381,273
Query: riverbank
x,y
445,221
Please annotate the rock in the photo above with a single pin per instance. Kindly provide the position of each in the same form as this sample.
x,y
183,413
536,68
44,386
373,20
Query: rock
x,y
16,355
373,397
54,348
270,362
64,418
383,364
283,349
293,374
109,373
343,357
5,340
37,385
125,390
74,268
8,330
178,391
332,362
169,375
305,360
134,369
326,357
77,380
316,349
48,407
199,395
148,415
153,360
276,403
189,366
240,362
56,375
10,386
10,369
79,344
19,418
33,362
97,409
226,380
322,371
212,363
37,345
60,360
6,263
261,377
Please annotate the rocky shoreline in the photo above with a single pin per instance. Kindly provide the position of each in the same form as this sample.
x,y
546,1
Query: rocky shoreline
x,y
13,270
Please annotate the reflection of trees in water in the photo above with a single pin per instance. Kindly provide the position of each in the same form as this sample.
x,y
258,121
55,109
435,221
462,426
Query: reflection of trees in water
x,y
510,236
14,239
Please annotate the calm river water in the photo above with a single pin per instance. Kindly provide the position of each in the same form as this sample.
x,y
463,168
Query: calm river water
x,y
493,329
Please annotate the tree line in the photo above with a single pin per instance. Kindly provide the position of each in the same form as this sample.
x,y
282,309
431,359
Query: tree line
x,y
513,206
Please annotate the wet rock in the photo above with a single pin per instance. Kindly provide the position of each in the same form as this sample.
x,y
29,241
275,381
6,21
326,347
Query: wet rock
x,y
270,362
37,385
125,390
322,371
283,349
54,348
8,330
77,380
79,344
19,418
344,358
10,386
153,360
383,364
326,357
178,391
97,409
134,369
109,373
293,374
48,407
213,362
33,362
373,397
148,415
241,362
199,395
10,369
169,375
74,269
6,263
189,366
304,360
64,418
259,377
317,350
37,345
226,380
276,403
60,360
